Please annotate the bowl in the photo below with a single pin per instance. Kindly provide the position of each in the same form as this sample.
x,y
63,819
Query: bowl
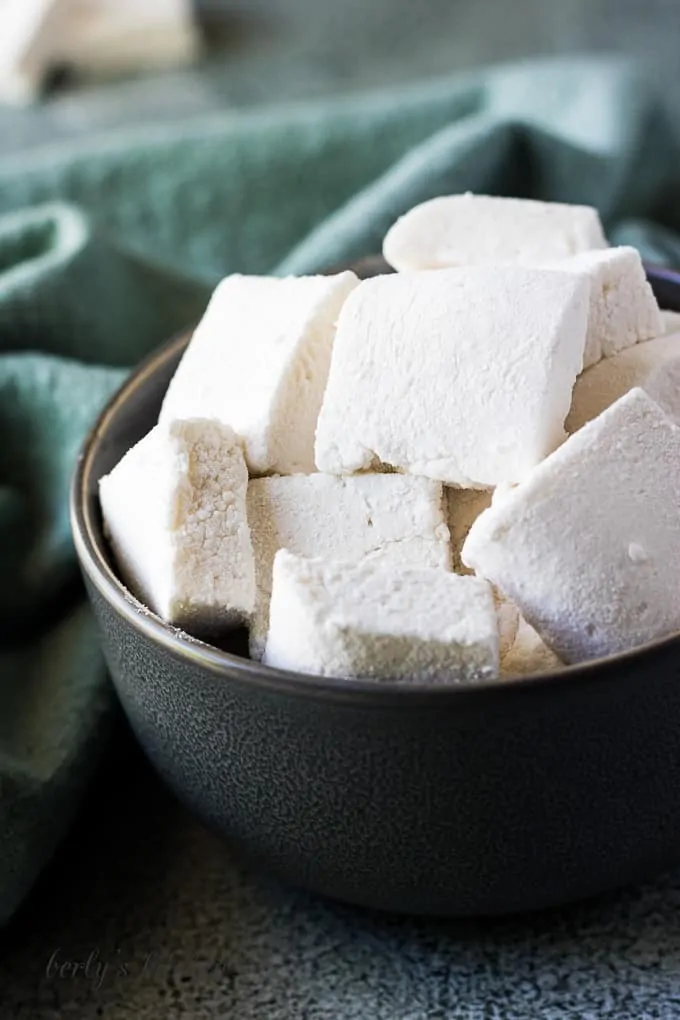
x,y
478,800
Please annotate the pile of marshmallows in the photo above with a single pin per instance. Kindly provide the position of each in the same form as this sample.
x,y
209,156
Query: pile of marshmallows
x,y
334,458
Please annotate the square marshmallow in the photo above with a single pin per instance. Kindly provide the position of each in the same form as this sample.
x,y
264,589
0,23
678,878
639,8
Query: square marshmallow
x,y
654,366
623,309
259,361
588,546
466,230
370,620
174,510
463,375
320,515
90,36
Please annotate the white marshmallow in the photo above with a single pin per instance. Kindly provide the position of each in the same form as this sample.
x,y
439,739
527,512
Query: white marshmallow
x,y
465,230
259,361
463,507
175,512
623,309
464,375
349,518
671,322
370,620
92,36
508,620
114,36
653,366
28,29
587,546
528,654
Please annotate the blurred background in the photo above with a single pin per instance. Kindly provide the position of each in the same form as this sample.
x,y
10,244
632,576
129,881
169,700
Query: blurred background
x,y
263,51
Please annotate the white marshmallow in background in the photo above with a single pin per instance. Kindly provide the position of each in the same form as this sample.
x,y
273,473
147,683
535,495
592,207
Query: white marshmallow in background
x,y
174,510
467,229
368,620
654,366
95,37
463,375
588,545
28,32
349,518
258,362
623,309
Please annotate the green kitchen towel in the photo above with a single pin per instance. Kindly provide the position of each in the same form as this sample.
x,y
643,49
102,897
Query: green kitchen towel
x,y
107,248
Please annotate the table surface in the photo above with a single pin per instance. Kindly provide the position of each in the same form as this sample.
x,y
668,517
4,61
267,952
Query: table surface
x,y
145,913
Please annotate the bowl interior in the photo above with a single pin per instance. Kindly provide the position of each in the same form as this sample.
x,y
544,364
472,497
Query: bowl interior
x,y
133,411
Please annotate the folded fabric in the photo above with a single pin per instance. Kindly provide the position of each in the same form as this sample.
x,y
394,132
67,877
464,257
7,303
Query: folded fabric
x,y
55,715
108,249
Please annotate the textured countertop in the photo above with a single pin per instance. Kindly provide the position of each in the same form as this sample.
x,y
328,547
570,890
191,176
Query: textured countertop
x,y
146,914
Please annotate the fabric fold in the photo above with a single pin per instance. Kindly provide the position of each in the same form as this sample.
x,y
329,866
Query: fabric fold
x,y
65,289
56,711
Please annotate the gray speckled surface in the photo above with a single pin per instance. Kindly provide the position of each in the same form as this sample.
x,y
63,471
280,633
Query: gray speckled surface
x,y
187,933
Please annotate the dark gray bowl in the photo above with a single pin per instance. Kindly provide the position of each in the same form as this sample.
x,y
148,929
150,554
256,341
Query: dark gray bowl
x,y
452,801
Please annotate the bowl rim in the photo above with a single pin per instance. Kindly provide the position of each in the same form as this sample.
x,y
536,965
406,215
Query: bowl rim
x,y
89,548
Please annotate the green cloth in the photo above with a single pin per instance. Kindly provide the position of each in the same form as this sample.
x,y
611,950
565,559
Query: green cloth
x,y
107,249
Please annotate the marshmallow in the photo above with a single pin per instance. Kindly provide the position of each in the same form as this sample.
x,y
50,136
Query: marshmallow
x,y
463,375
259,361
371,620
587,546
528,654
174,510
671,322
92,36
465,230
623,309
319,515
463,507
508,620
28,29
653,366
113,36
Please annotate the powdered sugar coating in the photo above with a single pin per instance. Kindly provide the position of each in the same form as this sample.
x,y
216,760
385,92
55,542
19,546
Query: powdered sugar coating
x,y
175,513
463,375
587,546
368,620
467,229
349,518
259,361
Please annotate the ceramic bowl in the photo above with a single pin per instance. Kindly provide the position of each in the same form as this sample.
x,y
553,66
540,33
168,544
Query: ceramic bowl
x,y
486,799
